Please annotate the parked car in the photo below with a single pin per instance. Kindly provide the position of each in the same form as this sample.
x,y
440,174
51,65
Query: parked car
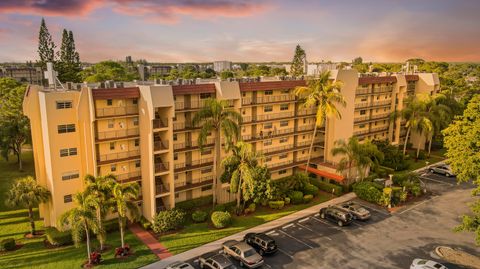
x,y
179,265
426,264
245,254
336,215
261,242
358,212
442,169
214,260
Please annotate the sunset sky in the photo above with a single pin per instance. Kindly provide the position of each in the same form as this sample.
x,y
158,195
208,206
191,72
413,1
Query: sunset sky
x,y
241,30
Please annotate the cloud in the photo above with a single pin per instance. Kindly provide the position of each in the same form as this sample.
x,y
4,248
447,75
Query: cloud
x,y
49,7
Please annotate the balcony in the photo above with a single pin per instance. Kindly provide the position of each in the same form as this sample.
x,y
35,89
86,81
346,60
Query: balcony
x,y
178,126
362,105
383,89
116,111
161,167
180,167
160,145
129,177
267,135
306,112
306,128
196,104
361,132
118,157
279,164
306,144
379,129
268,99
195,183
192,145
381,103
360,119
118,134
160,123
266,117
160,189
362,91
271,151
380,116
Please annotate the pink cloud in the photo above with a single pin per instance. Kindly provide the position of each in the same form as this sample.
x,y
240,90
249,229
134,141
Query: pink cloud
x,y
59,8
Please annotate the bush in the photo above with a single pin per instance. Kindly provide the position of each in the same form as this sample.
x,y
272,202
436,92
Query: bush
x,y
221,219
58,238
367,191
190,205
310,189
287,200
422,155
296,197
111,225
7,244
251,208
168,220
307,198
276,204
146,224
199,216
416,190
219,207
328,187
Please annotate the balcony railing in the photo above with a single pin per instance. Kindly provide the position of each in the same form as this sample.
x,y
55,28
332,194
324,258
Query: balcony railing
x,y
360,105
194,183
361,91
268,134
383,89
116,111
306,128
308,111
277,164
380,116
160,166
160,145
196,104
268,99
193,164
381,103
273,116
360,119
269,151
193,144
379,129
118,134
360,132
128,177
119,156
160,123
161,189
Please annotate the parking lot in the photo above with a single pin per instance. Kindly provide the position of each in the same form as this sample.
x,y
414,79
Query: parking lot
x,y
384,241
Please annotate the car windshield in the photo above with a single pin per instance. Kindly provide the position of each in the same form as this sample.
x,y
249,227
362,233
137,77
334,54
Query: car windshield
x,y
270,244
249,253
422,262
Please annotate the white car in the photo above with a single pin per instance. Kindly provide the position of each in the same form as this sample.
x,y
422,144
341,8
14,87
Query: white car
x,y
180,265
426,264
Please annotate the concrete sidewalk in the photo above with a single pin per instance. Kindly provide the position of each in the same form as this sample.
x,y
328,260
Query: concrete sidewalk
x,y
187,255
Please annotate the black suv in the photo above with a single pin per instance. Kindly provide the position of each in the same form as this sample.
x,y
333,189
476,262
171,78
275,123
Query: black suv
x,y
336,215
261,242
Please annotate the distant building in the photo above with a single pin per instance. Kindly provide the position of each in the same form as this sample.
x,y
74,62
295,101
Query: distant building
x,y
220,66
128,59
31,75
159,70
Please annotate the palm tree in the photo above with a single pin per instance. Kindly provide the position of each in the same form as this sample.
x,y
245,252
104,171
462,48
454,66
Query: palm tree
x,y
100,188
325,95
424,127
439,114
244,159
369,156
412,114
26,192
124,196
81,219
216,119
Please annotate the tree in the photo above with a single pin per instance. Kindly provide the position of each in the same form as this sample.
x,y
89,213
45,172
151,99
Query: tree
x,y
217,119
100,189
68,66
81,219
124,196
14,126
26,192
46,47
325,95
357,60
413,114
439,116
462,141
226,74
298,62
242,178
108,70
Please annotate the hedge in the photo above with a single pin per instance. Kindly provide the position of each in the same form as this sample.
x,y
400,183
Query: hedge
x,y
199,216
192,204
287,200
367,191
276,204
58,238
7,244
328,187
310,189
296,197
221,219
168,220
307,198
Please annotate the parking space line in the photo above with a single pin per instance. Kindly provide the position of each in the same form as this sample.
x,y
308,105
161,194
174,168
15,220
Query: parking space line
x,y
303,220
287,226
296,239
328,224
438,181
315,232
284,252
316,214
417,205
265,264
271,232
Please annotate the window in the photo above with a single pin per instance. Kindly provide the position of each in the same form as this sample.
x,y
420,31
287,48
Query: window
x,y
267,142
109,102
68,152
207,188
304,120
267,108
268,126
66,128
135,121
113,168
135,101
378,97
70,175
64,104
270,92
244,94
284,123
177,195
362,126
67,198
283,139
364,99
281,172
175,156
111,123
282,156
137,163
283,107
363,112
205,95
137,142
206,171
174,137
285,91
112,145
244,112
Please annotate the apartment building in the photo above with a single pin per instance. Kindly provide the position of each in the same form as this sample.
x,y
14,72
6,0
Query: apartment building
x,y
144,133
31,75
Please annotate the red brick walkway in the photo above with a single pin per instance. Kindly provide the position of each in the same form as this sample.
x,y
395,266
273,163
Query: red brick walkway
x,y
152,243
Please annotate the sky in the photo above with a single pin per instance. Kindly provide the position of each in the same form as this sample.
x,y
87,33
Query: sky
x,y
247,31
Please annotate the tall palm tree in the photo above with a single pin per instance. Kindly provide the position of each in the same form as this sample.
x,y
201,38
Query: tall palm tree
x,y
439,114
100,188
412,114
217,119
124,196
424,127
26,192
325,95
81,219
244,159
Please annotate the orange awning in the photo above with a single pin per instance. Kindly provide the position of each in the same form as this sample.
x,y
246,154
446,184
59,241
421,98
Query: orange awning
x,y
337,178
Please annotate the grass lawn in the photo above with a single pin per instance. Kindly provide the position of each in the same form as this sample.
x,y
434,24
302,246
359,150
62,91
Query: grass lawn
x,y
33,254
195,235
435,157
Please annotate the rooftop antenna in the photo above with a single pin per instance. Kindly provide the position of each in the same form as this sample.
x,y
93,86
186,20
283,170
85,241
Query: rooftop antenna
x,y
51,75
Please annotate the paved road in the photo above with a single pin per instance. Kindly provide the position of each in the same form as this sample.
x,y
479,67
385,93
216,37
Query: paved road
x,y
385,241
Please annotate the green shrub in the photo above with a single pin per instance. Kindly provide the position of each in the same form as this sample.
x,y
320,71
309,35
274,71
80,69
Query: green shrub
x,y
250,209
190,205
199,216
307,198
219,207
287,200
221,219
58,238
416,190
328,187
276,204
7,244
422,155
111,225
296,197
367,191
146,224
310,189
384,199
168,220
